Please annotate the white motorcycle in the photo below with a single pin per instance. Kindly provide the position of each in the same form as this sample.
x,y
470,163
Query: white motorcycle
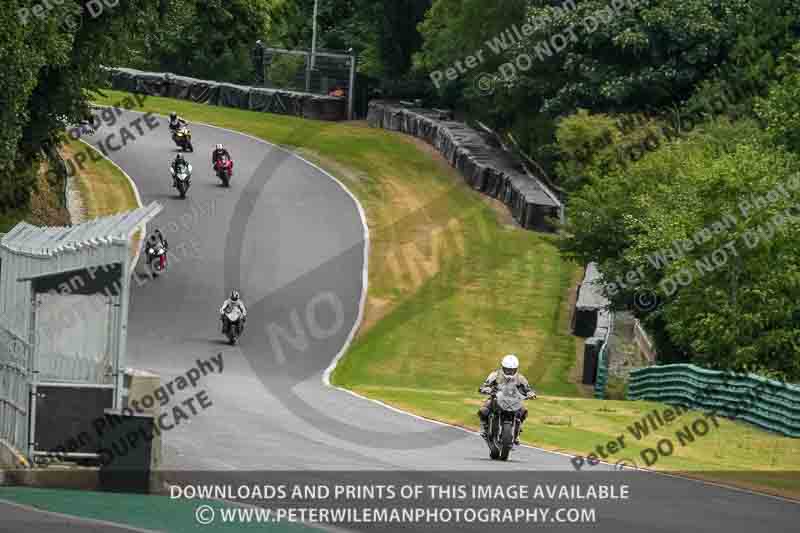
x,y
234,324
183,179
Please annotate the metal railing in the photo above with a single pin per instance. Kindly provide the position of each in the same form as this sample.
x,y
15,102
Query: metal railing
x,y
14,382
601,381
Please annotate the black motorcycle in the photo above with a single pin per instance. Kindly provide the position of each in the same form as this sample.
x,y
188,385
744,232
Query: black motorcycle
x,y
504,419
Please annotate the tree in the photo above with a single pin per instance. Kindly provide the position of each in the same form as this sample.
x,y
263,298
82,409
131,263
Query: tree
x,y
724,272
49,64
780,110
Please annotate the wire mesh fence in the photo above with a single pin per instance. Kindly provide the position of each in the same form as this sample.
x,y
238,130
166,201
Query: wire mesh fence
x,y
323,73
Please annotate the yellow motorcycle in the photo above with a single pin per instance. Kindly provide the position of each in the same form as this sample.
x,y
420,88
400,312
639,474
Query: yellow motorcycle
x,y
183,138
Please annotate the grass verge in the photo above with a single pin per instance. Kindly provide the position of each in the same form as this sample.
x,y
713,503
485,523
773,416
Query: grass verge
x,y
104,190
454,285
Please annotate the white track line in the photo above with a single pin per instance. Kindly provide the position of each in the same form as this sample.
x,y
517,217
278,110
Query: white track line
x,y
365,282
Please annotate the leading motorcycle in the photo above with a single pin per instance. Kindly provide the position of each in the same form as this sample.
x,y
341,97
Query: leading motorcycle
x,y
504,419
183,179
234,324
183,139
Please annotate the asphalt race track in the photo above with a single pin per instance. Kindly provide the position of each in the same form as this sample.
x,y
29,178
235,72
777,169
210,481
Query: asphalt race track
x,y
291,239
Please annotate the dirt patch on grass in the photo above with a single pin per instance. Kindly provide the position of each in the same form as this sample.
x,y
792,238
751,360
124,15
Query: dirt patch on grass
x,y
374,310
46,207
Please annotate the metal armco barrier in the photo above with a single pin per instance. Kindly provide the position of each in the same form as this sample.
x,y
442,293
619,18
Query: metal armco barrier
x,y
766,403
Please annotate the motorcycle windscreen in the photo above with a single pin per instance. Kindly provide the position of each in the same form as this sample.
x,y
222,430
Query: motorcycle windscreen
x,y
73,337
509,398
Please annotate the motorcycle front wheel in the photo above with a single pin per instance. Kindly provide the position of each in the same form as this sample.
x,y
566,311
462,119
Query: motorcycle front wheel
x,y
506,440
494,451
155,266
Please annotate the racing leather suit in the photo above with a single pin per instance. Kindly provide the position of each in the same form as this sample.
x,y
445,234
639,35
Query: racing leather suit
x,y
176,169
226,305
178,123
218,154
495,379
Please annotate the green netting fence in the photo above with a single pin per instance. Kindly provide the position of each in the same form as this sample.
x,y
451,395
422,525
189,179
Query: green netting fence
x,y
601,382
766,403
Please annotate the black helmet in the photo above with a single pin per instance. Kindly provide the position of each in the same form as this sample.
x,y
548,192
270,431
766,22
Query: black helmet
x,y
173,115
179,157
234,296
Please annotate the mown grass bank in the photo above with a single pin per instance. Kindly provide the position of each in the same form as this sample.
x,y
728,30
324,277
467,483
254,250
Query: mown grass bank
x,y
454,285
104,190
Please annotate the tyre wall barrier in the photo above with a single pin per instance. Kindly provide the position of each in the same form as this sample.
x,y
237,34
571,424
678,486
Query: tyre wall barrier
x,y
229,95
766,403
594,319
484,167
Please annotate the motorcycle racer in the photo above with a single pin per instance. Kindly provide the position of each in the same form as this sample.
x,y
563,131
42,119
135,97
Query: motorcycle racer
x,y
155,241
176,122
508,372
177,164
217,154
233,301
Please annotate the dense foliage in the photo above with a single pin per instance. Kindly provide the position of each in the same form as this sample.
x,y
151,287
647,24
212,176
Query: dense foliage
x,y
48,64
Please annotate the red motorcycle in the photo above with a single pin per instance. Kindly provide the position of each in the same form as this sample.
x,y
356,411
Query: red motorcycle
x,y
224,170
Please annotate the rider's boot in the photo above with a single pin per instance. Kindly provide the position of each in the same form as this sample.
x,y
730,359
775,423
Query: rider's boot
x,y
516,439
484,430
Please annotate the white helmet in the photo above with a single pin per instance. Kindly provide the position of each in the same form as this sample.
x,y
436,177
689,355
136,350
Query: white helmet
x,y
510,364
218,147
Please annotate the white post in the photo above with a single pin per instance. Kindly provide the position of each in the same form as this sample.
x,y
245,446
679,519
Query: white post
x,y
350,90
314,36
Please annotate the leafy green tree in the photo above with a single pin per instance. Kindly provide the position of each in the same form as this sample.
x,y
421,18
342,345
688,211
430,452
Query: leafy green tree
x,y
210,39
780,110
49,64
723,271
